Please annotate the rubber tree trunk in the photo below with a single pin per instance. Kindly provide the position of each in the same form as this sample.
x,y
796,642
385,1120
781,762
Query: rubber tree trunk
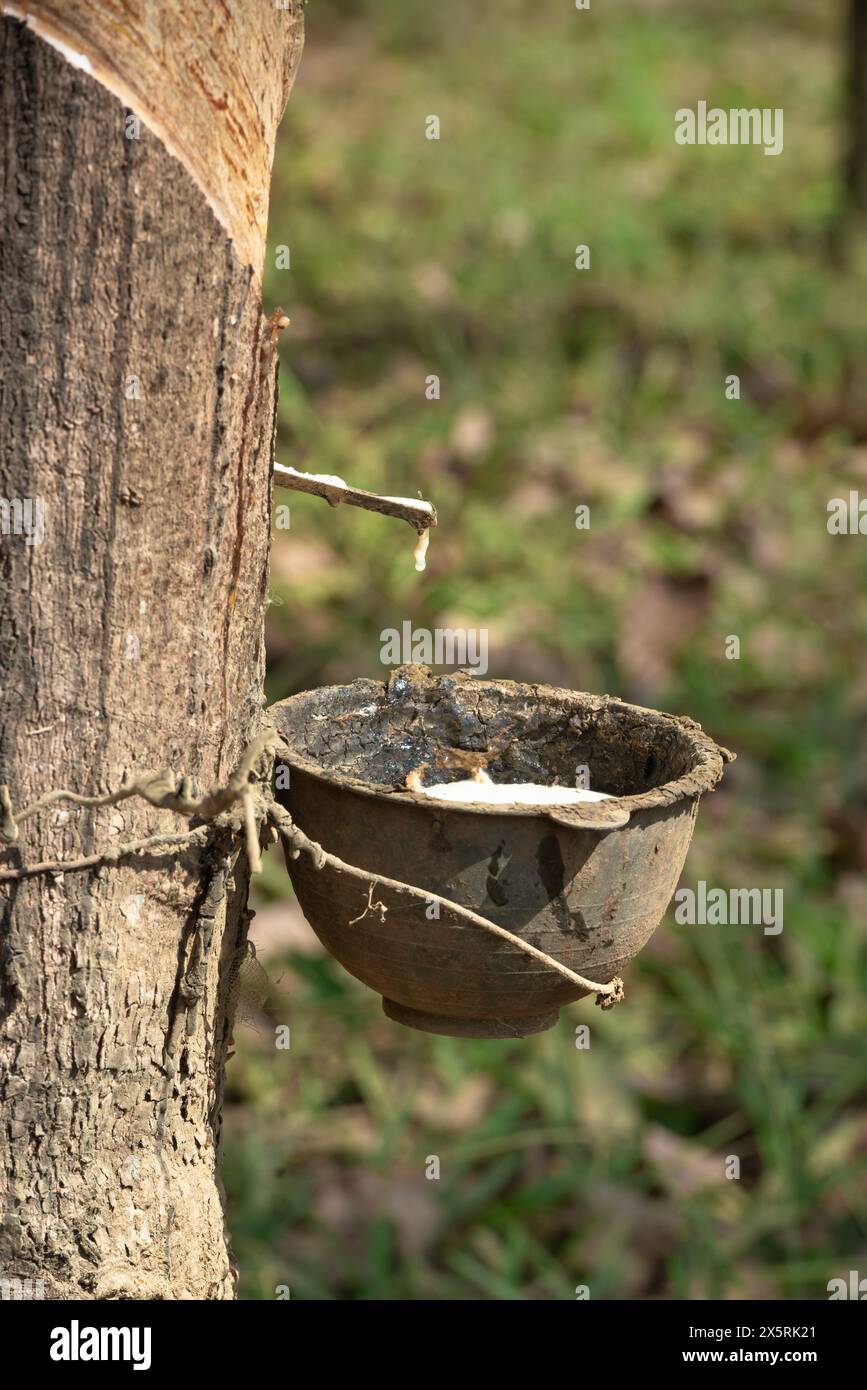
x,y
136,407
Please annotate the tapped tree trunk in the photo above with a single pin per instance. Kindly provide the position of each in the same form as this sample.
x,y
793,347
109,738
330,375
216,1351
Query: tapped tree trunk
x,y
137,400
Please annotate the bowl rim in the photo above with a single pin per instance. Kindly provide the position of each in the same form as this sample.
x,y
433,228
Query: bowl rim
x,y
709,757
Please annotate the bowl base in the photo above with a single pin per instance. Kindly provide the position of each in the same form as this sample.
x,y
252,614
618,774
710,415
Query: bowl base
x,y
469,1027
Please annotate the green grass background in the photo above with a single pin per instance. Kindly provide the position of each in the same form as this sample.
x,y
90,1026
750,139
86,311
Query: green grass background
x,y
563,1167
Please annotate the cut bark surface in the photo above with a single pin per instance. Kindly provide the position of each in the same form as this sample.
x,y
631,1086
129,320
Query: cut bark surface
x,y
210,80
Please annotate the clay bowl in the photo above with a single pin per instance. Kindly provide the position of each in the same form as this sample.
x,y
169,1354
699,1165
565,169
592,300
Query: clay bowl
x,y
587,884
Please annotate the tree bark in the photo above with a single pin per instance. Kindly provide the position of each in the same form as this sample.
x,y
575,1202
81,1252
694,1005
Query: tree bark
x,y
137,398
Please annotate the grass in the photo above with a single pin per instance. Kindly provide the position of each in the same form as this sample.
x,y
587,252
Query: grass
x,y
560,1166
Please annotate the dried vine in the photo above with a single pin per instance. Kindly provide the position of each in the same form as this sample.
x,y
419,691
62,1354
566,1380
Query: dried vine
x,y
239,805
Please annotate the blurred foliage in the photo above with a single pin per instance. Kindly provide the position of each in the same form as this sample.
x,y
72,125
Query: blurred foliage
x,y
562,387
